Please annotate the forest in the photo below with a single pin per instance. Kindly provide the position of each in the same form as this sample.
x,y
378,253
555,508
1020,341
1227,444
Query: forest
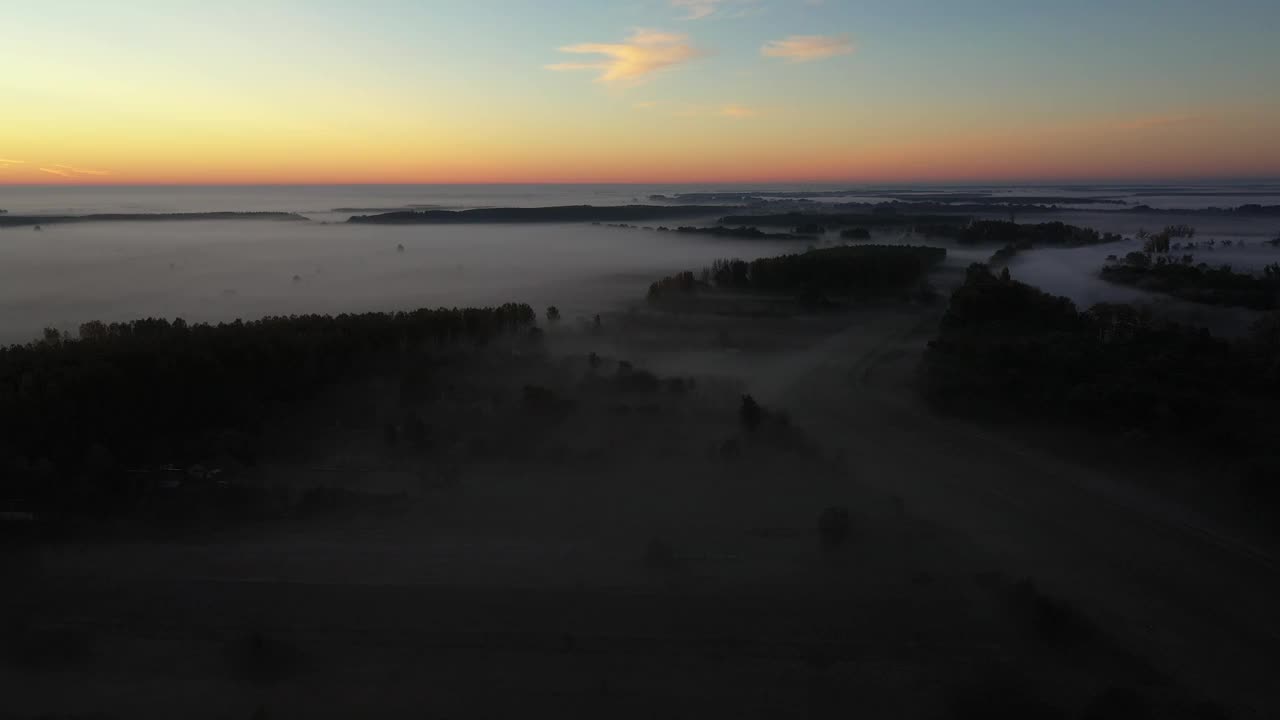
x,y
75,413
1007,351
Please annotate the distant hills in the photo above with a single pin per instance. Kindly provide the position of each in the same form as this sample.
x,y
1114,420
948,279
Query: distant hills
x,y
7,220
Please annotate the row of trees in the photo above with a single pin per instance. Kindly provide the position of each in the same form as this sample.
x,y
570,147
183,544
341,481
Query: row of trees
x,y
1022,236
1197,283
858,271
1155,270
158,391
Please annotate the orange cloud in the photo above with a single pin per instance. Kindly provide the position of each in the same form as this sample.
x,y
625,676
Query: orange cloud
x,y
645,52
803,48
738,111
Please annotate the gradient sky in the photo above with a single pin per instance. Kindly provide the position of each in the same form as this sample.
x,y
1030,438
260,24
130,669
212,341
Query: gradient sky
x,y
386,91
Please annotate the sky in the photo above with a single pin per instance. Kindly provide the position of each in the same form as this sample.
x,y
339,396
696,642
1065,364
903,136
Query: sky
x,y
487,91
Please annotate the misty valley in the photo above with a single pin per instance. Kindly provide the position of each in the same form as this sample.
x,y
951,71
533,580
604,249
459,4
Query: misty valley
x,y
808,453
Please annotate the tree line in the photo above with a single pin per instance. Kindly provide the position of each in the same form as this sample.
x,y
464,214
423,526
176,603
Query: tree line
x,y
1156,269
857,271
1022,236
74,412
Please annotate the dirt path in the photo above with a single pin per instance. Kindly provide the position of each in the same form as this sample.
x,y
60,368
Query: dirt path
x,y
1199,603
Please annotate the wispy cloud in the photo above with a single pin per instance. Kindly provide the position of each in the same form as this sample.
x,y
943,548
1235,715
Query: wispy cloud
x,y
644,53
697,9
803,48
738,111
700,9
71,171
82,171
6,161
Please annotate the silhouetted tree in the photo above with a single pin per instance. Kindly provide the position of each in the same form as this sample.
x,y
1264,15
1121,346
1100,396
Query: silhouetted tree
x,y
749,413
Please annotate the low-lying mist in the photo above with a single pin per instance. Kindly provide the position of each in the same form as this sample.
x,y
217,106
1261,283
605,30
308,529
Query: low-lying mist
x,y
211,271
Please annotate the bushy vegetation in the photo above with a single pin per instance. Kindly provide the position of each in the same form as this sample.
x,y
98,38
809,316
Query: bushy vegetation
x,y
858,233
76,413
682,283
1006,350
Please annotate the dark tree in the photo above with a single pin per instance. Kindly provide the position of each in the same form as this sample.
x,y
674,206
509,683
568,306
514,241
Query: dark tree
x,y
749,413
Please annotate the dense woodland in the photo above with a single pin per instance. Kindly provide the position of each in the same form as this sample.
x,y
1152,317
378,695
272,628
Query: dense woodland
x,y
856,271
76,413
1008,351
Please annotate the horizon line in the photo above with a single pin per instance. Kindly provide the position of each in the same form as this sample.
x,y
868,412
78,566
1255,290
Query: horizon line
x,y
639,183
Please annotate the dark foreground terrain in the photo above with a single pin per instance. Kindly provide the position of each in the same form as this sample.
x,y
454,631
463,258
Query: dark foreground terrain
x,y
591,520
